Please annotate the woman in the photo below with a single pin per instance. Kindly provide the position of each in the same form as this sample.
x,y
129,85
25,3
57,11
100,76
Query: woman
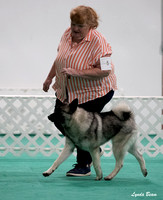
x,y
78,72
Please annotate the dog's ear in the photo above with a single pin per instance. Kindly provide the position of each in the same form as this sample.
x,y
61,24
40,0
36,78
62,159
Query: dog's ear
x,y
73,105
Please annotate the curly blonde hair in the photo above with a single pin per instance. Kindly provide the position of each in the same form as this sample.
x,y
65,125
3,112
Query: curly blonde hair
x,y
84,15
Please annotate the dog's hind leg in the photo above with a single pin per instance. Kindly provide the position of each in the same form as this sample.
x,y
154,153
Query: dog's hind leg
x,y
66,152
121,143
134,151
119,154
95,154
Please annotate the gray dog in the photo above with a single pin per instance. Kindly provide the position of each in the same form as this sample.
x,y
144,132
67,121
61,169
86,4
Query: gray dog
x,y
88,130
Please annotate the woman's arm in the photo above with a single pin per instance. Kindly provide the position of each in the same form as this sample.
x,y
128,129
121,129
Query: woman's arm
x,y
92,74
49,78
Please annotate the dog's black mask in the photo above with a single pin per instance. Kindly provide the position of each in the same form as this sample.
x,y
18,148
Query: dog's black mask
x,y
52,117
58,116
58,120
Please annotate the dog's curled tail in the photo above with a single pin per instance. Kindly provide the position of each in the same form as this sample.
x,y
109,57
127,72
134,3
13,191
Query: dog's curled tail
x,y
123,111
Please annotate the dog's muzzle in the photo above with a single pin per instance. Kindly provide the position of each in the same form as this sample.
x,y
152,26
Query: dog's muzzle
x,y
52,117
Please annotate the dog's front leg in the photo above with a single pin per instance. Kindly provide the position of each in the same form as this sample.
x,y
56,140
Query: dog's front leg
x,y
95,154
66,152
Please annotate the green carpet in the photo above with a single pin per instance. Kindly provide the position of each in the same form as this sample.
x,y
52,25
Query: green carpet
x,y
21,179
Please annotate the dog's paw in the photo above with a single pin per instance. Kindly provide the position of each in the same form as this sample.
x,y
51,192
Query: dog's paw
x,y
47,173
145,173
98,178
108,178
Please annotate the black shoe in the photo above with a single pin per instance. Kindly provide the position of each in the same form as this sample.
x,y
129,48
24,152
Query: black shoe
x,y
79,171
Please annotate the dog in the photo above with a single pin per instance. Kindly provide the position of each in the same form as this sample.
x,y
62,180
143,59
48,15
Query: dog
x,y
89,130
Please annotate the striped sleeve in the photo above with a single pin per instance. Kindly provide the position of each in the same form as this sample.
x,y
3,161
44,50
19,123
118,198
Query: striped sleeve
x,y
101,49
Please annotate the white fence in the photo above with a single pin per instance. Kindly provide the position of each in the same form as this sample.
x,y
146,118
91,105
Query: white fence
x,y
24,126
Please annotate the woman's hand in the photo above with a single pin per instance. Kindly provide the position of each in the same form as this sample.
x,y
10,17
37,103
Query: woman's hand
x,y
46,84
70,72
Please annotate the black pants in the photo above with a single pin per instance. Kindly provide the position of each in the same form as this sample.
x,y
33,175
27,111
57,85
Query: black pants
x,y
83,157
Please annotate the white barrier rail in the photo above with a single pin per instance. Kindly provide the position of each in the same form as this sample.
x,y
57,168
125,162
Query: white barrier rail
x,y
24,126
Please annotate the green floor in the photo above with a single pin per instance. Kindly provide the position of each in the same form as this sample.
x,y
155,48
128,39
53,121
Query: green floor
x,y
21,178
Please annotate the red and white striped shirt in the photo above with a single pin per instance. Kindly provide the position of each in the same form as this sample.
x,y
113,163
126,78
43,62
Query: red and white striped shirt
x,y
81,56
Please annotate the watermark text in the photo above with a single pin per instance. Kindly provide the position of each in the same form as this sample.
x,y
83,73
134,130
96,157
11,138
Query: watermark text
x,y
144,194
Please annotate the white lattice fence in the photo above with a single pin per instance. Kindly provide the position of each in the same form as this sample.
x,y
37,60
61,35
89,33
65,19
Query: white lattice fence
x,y
24,126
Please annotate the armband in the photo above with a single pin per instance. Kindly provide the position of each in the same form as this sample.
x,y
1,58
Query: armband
x,y
105,63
